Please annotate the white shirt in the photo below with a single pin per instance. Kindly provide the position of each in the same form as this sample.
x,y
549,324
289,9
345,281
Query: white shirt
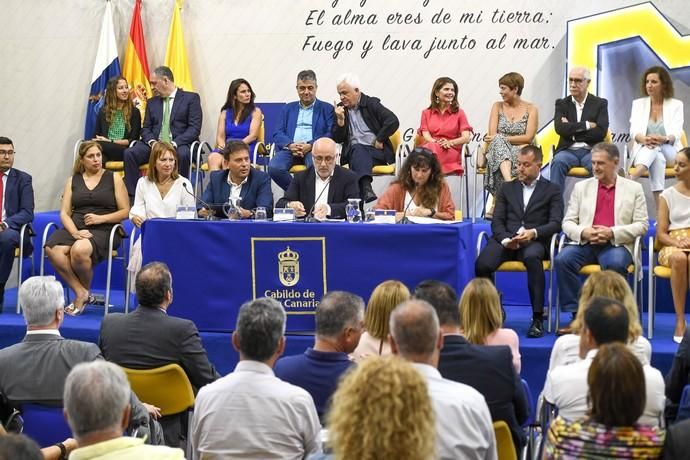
x,y
527,191
463,422
579,108
149,204
566,350
251,413
235,189
566,387
44,331
321,189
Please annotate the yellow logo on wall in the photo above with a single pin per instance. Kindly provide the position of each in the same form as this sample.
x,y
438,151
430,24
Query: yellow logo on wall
x,y
288,267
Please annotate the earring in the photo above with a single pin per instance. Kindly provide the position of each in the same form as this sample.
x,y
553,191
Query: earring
x,y
437,99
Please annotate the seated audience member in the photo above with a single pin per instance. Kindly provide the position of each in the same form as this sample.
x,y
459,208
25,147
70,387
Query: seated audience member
x,y
382,409
480,310
239,120
20,447
678,377
237,179
339,324
463,422
250,412
420,189
93,201
581,120
444,126
656,126
605,214
566,387
119,122
323,190
172,115
17,201
487,369
513,123
301,122
673,233
527,214
609,284
148,337
97,408
364,127
34,370
374,340
158,194
615,402
677,441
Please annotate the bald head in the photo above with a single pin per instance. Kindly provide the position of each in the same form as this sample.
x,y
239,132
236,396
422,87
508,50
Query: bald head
x,y
323,154
415,330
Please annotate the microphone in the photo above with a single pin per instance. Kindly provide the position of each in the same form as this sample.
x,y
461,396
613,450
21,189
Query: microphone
x,y
310,215
211,212
404,219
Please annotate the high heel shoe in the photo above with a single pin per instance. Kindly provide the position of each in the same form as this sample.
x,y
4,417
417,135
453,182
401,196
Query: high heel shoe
x,y
679,338
73,310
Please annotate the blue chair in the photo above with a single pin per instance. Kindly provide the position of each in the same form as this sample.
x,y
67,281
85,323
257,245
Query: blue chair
x,y
684,405
45,424
529,424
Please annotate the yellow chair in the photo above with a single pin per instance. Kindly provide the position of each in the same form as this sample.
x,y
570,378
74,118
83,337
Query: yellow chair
x,y
504,441
391,169
261,149
634,269
580,172
655,271
669,172
518,267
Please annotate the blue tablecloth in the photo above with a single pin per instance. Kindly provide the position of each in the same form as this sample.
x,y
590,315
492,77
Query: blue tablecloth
x,y
219,265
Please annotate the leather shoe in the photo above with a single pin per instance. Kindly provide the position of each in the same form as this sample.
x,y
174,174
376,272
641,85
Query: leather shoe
x,y
536,329
368,194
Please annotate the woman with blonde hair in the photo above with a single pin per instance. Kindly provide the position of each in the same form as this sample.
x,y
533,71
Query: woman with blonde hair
x,y
385,297
382,409
480,314
609,284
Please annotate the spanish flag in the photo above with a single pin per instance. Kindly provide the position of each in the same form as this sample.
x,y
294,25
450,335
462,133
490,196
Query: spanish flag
x,y
176,54
136,67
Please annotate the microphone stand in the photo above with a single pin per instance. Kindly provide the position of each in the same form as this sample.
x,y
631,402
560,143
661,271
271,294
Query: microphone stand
x,y
211,212
310,215
404,219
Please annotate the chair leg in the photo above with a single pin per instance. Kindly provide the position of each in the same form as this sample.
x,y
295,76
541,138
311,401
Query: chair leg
x,y
108,280
550,310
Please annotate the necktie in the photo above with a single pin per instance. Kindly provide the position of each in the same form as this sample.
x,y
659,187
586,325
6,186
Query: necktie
x,y
2,193
165,126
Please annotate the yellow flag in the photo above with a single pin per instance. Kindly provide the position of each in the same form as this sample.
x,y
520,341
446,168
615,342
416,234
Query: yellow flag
x,y
176,54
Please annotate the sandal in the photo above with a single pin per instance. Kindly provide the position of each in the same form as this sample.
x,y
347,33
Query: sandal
x,y
73,310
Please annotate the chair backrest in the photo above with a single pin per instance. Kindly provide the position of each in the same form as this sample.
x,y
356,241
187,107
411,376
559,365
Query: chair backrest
x,y
684,405
504,441
395,140
45,424
166,387
530,403
683,139
262,131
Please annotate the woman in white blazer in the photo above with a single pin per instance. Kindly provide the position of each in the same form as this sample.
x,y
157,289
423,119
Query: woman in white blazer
x,y
656,124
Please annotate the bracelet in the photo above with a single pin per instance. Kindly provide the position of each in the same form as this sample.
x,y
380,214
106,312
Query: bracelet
x,y
63,451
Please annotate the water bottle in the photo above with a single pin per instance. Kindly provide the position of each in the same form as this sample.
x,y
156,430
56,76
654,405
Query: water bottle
x,y
352,211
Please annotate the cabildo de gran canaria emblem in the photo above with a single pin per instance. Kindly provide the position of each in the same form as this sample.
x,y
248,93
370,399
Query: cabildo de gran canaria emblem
x,y
288,267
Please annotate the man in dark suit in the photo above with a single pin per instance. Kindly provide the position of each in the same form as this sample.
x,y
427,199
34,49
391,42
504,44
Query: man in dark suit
x,y
149,338
323,189
35,370
582,120
364,127
528,212
172,115
488,369
301,122
237,179
17,202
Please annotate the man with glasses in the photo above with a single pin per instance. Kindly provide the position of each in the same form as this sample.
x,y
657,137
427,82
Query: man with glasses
x,y
582,120
17,201
322,190
301,122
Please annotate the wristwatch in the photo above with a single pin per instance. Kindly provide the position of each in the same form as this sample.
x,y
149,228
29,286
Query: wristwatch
x,y
433,212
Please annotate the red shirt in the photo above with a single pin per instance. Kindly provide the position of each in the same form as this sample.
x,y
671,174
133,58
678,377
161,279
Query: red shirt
x,y
604,212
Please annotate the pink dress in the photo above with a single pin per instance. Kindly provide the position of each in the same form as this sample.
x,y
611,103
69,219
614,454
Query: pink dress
x,y
507,337
447,125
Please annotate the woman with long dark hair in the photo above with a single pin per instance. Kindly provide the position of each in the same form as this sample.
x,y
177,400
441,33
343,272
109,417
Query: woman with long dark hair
x,y
119,121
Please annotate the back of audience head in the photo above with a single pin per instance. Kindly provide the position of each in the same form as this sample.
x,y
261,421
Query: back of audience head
x,y
154,285
339,317
260,329
606,321
382,409
385,297
41,297
19,447
96,400
443,298
616,386
608,283
415,331
480,310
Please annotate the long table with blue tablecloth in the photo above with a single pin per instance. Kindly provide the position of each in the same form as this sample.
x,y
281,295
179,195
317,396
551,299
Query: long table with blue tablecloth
x,y
218,265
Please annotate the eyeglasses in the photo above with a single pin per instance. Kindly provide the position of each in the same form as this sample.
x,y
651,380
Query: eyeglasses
x,y
7,153
576,81
323,159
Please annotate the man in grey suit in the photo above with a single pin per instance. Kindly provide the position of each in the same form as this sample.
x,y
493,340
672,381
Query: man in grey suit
x,y
149,338
35,370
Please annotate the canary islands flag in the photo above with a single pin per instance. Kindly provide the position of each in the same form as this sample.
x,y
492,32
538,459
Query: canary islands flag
x,y
136,67
176,54
107,65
